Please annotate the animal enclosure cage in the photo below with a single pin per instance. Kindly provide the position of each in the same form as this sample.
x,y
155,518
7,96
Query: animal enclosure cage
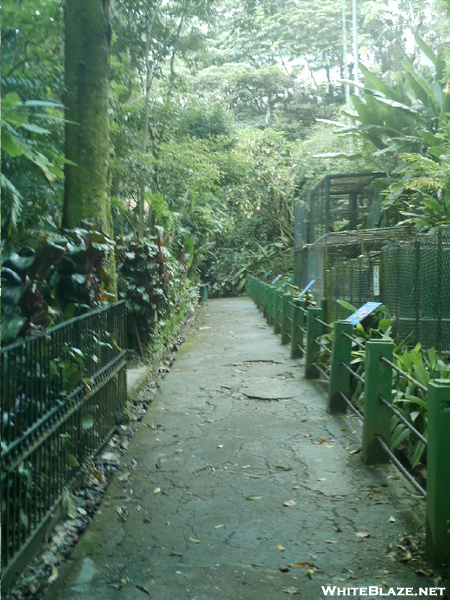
x,y
409,275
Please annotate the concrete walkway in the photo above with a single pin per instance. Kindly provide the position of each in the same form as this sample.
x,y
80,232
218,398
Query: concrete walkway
x,y
239,485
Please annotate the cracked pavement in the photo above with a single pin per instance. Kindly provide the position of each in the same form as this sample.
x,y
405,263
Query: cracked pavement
x,y
197,509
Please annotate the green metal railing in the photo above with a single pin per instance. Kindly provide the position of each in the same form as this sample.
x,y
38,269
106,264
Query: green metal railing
x,y
62,391
377,383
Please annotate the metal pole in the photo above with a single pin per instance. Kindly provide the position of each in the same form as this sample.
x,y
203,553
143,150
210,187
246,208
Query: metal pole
x,y
344,38
355,48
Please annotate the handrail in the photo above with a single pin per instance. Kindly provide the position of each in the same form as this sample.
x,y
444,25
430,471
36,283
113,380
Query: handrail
x,y
351,405
401,468
352,372
403,420
360,344
322,372
324,323
404,374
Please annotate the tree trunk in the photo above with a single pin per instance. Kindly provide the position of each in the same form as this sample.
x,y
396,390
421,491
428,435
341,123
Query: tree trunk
x,y
148,85
87,50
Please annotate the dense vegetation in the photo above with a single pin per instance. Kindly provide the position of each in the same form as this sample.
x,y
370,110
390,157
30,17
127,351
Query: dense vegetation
x,y
216,116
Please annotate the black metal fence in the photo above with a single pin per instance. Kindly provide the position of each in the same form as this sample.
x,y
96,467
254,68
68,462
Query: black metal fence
x,y
61,393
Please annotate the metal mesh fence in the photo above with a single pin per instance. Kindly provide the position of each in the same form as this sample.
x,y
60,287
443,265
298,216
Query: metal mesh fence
x,y
416,287
410,276
339,202
61,393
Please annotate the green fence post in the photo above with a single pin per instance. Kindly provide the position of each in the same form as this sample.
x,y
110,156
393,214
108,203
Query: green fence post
x,y
339,376
260,295
286,318
271,304
249,286
266,288
278,310
377,416
314,330
298,320
438,471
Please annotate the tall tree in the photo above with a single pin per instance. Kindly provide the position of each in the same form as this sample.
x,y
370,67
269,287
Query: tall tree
x,y
87,53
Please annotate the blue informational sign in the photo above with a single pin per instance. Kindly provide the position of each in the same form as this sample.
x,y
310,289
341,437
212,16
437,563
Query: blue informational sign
x,y
310,284
363,312
287,282
276,279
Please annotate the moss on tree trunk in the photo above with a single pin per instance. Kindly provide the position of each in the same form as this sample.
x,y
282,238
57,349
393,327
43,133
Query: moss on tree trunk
x,y
87,50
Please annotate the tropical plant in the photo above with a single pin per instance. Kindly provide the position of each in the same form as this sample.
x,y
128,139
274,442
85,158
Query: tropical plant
x,y
59,279
408,398
26,136
406,116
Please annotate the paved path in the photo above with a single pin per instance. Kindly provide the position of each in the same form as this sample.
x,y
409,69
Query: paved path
x,y
197,510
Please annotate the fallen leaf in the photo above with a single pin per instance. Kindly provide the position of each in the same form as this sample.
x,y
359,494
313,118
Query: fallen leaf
x,y
406,557
54,576
99,475
322,479
143,589
194,541
321,441
246,467
204,327
156,491
110,457
291,591
220,446
310,573
331,542
290,503
424,572
355,451
362,534
283,568
391,519
300,565
280,548
253,497
219,526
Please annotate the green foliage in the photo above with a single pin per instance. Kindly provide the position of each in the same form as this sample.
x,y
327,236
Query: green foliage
x,y
154,286
204,121
406,116
56,281
25,145
407,397
32,84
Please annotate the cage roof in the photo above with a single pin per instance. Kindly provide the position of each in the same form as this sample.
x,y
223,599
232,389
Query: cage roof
x,y
346,183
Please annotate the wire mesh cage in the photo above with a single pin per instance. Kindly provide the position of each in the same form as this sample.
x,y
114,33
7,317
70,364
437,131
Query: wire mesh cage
x,y
416,287
346,266
339,202
409,275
